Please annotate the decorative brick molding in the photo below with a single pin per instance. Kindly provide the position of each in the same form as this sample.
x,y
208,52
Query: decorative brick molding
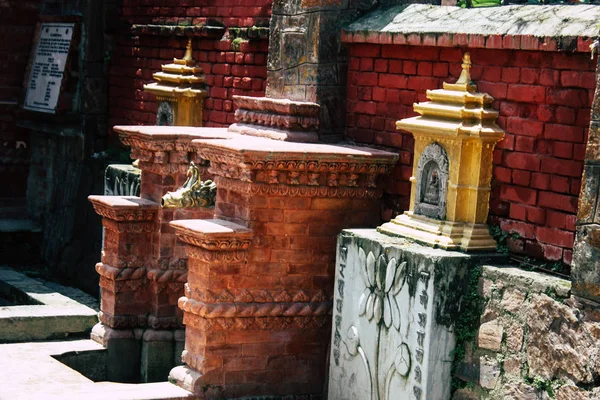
x,y
128,228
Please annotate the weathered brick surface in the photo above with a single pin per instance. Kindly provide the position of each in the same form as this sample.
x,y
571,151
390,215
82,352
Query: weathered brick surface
x,y
544,100
229,69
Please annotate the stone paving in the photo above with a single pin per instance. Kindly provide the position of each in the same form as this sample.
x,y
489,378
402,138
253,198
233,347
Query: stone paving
x,y
47,310
28,371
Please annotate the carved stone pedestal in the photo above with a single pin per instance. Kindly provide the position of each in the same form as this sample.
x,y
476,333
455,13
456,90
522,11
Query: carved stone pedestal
x,y
137,333
396,305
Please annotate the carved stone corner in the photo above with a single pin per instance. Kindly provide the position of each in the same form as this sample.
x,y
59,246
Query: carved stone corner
x,y
124,208
213,234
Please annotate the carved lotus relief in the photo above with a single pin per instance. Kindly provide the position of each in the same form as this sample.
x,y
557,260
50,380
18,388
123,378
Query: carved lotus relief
x,y
378,304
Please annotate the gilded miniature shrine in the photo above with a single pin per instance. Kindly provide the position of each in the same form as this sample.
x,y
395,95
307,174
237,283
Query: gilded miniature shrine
x,y
454,141
180,91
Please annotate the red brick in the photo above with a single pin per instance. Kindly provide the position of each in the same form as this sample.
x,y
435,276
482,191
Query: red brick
x,y
395,66
567,256
552,253
526,93
587,80
526,161
524,144
523,229
536,215
508,143
555,236
556,219
568,97
497,90
560,184
565,115
518,194
557,201
409,67
366,64
392,81
511,75
562,167
425,68
530,75
520,177
381,65
549,77
562,149
502,174
365,50
569,78
545,112
368,79
523,126
565,133
518,211
440,69
422,83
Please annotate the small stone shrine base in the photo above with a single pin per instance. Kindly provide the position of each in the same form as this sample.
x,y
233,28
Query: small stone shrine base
x,y
395,307
443,234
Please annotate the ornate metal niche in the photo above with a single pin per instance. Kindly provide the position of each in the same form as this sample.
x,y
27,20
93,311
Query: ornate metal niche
x,y
432,182
193,193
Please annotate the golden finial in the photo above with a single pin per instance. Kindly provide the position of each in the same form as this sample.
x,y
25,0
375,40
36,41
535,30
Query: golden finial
x,y
465,75
188,51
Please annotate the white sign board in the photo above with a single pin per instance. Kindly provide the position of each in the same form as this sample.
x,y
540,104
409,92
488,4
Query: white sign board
x,y
48,67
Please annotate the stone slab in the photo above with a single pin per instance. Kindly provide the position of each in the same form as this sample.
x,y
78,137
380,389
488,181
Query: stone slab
x,y
29,371
535,20
49,312
395,303
172,132
274,149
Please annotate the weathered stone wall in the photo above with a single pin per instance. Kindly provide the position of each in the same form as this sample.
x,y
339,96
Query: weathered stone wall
x,y
544,101
535,341
234,64
16,37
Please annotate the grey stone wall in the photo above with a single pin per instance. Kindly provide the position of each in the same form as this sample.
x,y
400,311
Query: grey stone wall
x,y
536,341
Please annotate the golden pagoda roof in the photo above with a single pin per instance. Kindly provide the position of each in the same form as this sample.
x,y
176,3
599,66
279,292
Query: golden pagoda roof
x,y
182,78
456,110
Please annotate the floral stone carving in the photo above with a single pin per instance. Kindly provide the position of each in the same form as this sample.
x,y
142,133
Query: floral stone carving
x,y
394,304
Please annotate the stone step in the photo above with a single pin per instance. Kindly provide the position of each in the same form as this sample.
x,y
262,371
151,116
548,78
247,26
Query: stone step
x,y
44,310
33,371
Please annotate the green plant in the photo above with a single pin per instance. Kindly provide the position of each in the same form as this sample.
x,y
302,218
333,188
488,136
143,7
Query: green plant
x,y
541,384
501,238
236,43
467,324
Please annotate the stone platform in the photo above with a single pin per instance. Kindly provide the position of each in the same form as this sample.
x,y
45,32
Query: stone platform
x,y
30,371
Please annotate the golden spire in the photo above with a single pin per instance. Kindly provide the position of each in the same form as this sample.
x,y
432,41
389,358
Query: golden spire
x,y
465,75
188,51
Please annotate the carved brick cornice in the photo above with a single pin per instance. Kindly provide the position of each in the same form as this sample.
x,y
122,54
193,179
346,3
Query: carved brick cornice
x,y
123,321
215,245
297,191
120,274
125,208
256,323
213,235
130,227
296,122
168,275
234,295
198,253
120,286
169,287
246,310
165,322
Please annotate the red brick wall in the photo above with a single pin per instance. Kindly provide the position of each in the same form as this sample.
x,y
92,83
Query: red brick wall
x,y
229,71
544,100
16,34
